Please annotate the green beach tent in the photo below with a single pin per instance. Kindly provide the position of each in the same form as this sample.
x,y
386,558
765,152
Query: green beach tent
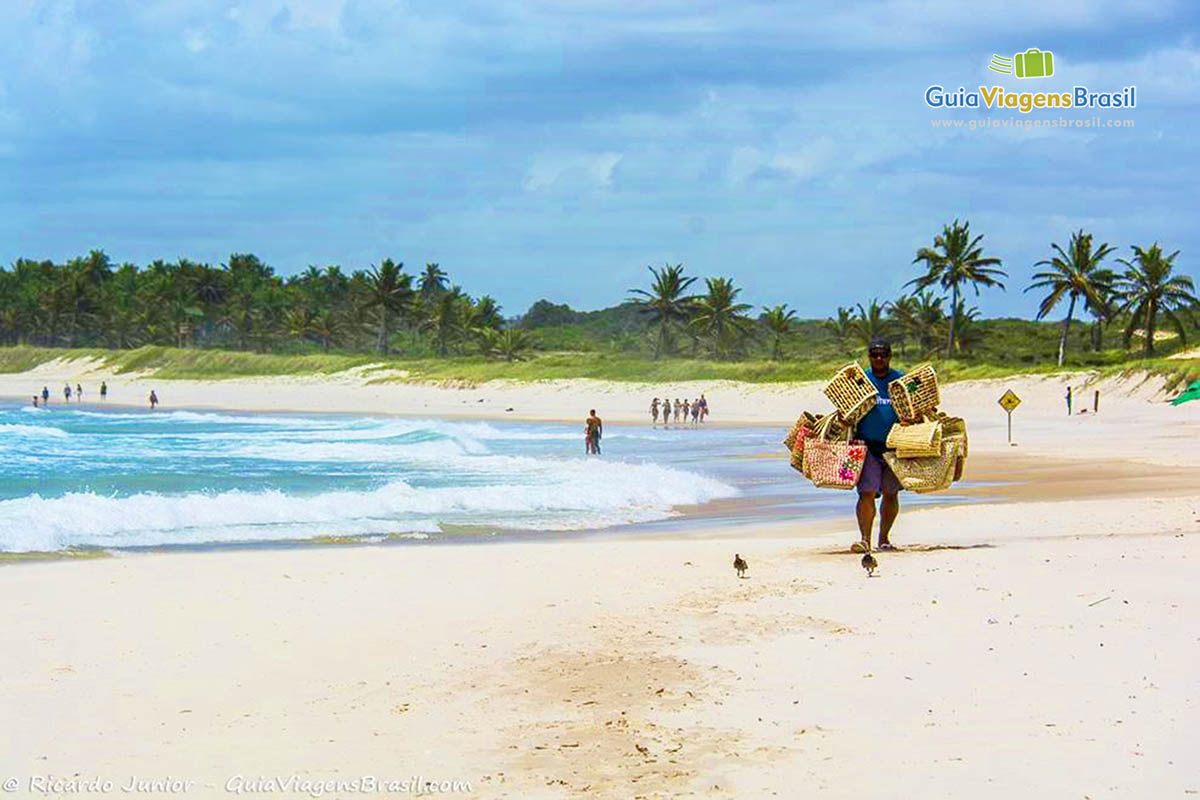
x,y
1192,393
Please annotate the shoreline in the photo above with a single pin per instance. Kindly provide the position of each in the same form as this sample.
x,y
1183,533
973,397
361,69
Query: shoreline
x,y
1131,410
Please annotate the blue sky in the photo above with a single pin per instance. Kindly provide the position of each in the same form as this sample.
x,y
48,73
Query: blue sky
x,y
555,149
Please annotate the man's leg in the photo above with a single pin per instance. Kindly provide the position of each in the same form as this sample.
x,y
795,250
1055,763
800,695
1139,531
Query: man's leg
x,y
888,510
865,511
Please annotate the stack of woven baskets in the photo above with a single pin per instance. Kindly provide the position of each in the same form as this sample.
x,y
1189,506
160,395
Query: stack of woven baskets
x,y
930,447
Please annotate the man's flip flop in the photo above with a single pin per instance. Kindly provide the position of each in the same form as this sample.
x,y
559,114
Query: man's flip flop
x,y
858,547
887,546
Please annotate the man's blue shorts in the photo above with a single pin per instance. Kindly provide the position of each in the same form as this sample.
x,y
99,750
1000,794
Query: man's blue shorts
x,y
877,477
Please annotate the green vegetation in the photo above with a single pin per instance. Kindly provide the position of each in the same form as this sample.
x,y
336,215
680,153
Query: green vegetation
x,y
191,320
55,555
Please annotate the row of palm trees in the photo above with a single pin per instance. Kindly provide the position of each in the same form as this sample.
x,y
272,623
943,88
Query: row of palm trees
x,y
245,305
1146,290
1144,293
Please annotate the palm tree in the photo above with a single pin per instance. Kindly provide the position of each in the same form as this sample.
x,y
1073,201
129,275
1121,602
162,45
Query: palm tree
x,y
1149,289
509,344
720,317
869,323
969,334
1076,274
930,319
327,326
902,314
389,290
666,301
779,322
840,326
433,281
445,320
954,260
487,313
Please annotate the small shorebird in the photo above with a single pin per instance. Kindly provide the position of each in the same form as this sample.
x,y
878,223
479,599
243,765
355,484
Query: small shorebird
x,y
869,564
740,565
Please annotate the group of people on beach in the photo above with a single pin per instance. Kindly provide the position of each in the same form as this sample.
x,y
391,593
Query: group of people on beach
x,y
44,399
683,410
68,394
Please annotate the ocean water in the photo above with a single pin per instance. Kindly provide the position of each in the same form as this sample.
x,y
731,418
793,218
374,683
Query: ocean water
x,y
83,476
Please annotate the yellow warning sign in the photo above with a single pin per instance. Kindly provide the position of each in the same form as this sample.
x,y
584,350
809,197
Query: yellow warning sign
x,y
1009,401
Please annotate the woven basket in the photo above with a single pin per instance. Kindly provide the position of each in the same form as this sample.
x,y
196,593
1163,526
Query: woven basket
x,y
954,429
923,475
831,461
921,439
852,392
806,420
915,394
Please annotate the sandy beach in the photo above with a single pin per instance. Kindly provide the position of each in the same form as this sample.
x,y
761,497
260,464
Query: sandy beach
x,y
1043,645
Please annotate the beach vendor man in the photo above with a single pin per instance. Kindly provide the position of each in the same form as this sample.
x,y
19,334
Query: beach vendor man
x,y
877,477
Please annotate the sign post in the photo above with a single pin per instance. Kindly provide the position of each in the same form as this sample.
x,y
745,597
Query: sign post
x,y
1009,401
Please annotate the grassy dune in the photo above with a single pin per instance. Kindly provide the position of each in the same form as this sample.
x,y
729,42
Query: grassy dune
x,y
168,363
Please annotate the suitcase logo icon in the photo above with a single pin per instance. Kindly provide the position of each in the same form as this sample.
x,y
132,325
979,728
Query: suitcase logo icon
x,y
1033,63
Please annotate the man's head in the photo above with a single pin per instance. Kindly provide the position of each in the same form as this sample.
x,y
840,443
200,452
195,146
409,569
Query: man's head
x,y
879,351
592,412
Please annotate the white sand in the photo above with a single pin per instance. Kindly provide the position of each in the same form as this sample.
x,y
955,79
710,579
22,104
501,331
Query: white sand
x,y
1133,412
1054,656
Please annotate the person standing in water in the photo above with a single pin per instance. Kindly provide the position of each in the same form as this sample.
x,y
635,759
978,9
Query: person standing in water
x,y
103,391
153,400
45,395
35,401
703,407
695,412
79,393
666,408
654,412
594,428
67,392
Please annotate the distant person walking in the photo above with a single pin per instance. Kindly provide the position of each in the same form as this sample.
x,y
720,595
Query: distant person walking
x,y
67,392
594,429
678,407
703,407
654,412
153,400
45,395
687,410
666,412
103,391
79,393
695,412
1068,401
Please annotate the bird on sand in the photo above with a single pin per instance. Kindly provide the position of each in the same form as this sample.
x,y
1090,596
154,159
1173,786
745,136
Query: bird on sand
x,y
740,565
869,564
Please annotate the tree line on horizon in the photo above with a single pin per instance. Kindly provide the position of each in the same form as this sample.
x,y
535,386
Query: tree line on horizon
x,y
1146,292
244,305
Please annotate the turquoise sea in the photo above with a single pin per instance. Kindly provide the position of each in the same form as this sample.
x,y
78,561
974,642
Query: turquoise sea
x,y
87,476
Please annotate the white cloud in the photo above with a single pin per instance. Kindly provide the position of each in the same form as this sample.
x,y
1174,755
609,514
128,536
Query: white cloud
x,y
567,170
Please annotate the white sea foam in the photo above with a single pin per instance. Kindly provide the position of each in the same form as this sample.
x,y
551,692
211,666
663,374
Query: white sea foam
x,y
32,431
563,495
